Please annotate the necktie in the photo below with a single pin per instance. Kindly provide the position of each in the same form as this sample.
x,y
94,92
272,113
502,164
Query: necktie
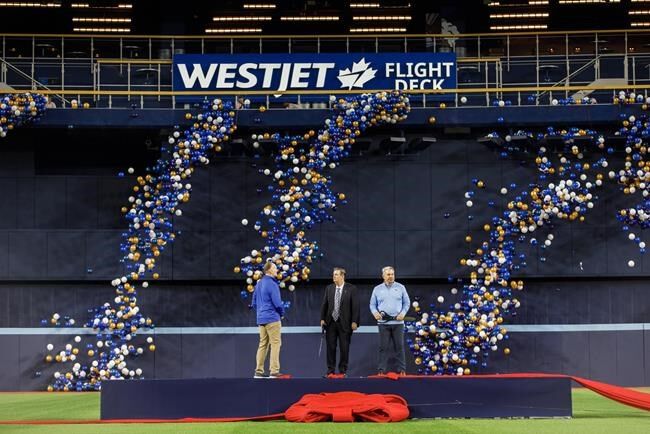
x,y
337,304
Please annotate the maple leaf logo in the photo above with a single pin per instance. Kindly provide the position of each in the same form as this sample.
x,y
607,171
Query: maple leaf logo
x,y
360,74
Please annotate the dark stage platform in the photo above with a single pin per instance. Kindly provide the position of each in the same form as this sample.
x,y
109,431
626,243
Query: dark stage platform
x,y
428,397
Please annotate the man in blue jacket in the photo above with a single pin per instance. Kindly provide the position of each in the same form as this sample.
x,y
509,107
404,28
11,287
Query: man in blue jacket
x,y
389,303
270,310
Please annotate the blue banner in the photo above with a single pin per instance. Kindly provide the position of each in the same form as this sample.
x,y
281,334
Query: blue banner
x,y
277,73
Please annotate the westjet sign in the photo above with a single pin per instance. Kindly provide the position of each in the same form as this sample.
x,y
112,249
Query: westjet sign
x,y
277,73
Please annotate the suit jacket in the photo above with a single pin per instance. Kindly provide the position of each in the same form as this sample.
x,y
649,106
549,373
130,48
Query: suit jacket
x,y
349,310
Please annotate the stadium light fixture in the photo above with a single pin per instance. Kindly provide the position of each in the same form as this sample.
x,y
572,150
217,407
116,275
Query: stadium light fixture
x,y
101,30
382,18
312,18
29,5
259,6
377,29
243,18
235,30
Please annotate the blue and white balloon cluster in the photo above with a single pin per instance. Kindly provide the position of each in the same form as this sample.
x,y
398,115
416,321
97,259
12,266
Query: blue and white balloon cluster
x,y
634,176
155,203
301,189
455,338
19,109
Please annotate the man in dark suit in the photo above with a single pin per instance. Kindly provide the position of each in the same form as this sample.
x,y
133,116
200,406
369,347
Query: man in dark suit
x,y
339,316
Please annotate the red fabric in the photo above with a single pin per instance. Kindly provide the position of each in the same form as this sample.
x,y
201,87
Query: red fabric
x,y
620,394
348,407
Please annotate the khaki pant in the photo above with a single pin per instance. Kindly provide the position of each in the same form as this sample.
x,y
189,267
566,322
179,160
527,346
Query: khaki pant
x,y
270,336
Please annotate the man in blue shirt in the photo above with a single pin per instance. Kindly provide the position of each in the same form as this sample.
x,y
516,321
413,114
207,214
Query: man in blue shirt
x,y
389,303
270,310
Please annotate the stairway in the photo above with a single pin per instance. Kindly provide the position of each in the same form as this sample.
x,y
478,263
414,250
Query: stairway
x,y
615,82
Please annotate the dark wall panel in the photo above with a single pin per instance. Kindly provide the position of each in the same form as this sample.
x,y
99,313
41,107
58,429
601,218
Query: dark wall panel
x,y
227,201
28,254
82,202
377,197
630,357
589,244
413,253
10,375
192,256
449,210
103,254
112,196
222,257
412,197
376,250
603,356
196,212
66,254
4,254
346,181
8,202
342,251
50,202
574,351
168,359
25,203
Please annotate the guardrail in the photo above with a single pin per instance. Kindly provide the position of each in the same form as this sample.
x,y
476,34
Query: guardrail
x,y
420,98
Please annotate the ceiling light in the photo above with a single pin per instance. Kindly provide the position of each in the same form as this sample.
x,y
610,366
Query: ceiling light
x,y
382,18
522,15
243,18
520,27
377,29
235,30
315,18
259,6
29,5
101,30
101,20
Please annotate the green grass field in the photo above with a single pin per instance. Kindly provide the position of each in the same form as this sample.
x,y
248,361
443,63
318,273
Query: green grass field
x,y
592,414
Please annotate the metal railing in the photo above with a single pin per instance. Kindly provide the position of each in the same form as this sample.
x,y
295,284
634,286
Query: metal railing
x,y
420,98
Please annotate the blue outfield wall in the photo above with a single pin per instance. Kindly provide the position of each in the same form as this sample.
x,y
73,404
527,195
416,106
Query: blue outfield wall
x,y
596,329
